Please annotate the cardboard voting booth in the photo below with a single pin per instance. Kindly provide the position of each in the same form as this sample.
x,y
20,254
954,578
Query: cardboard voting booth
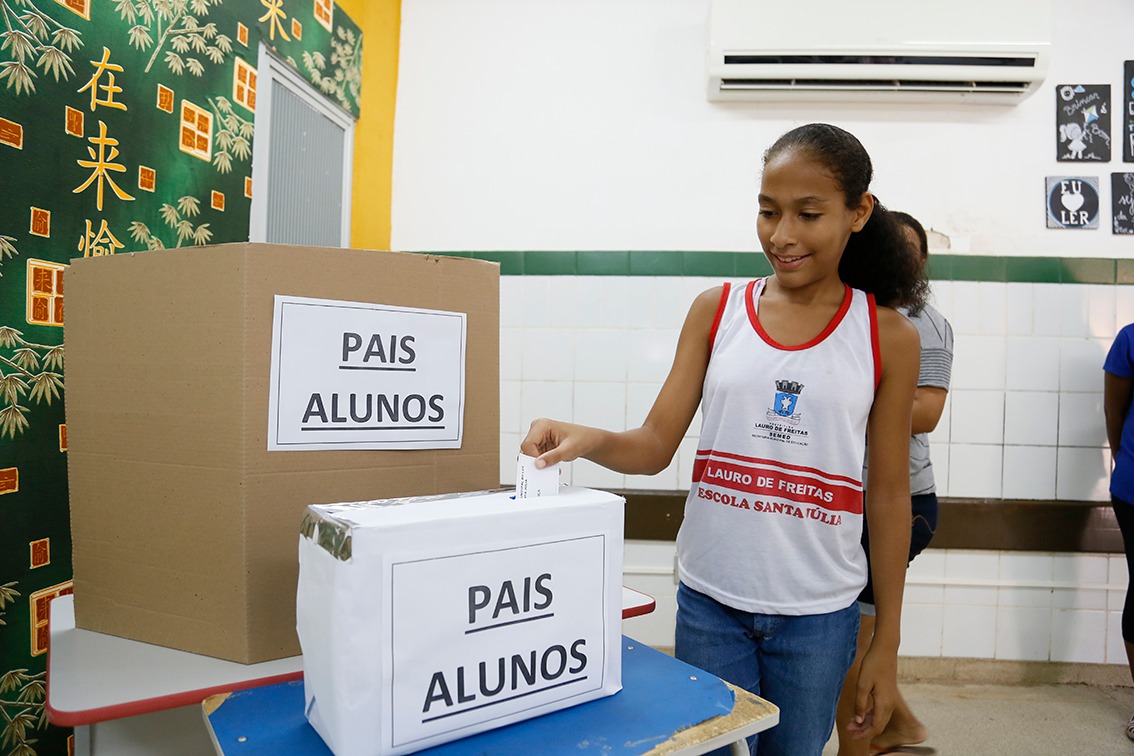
x,y
425,620
214,392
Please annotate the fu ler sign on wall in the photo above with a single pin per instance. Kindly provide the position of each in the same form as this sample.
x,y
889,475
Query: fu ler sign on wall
x,y
356,375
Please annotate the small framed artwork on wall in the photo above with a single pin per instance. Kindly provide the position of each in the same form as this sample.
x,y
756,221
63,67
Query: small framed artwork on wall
x,y
1082,122
1122,202
1072,202
1127,134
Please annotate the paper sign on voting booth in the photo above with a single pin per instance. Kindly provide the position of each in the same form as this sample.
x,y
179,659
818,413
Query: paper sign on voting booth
x,y
429,619
358,375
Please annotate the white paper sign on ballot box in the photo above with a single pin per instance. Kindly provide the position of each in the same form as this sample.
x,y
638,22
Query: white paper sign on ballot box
x,y
428,619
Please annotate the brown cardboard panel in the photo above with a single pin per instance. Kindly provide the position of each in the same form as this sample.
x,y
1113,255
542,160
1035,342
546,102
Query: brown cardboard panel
x,y
122,319
482,412
471,467
185,526
156,563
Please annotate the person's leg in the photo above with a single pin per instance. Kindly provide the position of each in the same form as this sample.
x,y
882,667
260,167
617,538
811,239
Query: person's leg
x,y
844,712
717,639
904,728
803,662
1124,514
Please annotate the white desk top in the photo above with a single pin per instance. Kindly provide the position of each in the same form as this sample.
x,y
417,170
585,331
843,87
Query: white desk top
x,y
635,603
93,677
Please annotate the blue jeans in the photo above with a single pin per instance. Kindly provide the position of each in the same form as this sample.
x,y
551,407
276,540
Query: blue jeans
x,y
796,662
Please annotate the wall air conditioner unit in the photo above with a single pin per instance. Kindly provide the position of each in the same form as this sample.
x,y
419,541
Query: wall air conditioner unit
x,y
974,51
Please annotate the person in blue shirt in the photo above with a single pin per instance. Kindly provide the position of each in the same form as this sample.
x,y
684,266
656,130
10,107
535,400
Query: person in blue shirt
x,y
1118,388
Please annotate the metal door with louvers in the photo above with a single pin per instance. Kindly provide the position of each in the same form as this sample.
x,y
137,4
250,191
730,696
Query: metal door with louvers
x,y
302,159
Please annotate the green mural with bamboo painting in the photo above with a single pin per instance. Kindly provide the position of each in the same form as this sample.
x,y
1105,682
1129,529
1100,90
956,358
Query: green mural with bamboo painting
x,y
125,126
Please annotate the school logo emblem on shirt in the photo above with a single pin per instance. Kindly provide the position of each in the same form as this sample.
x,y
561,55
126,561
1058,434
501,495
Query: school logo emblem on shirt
x,y
787,397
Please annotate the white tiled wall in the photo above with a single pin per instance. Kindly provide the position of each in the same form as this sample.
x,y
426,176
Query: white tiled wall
x,y
1023,418
1023,421
592,350
1014,606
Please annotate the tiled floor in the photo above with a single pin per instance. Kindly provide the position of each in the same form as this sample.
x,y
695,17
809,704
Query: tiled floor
x,y
1006,720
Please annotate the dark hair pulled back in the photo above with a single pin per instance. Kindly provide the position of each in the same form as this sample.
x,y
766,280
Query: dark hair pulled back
x,y
877,259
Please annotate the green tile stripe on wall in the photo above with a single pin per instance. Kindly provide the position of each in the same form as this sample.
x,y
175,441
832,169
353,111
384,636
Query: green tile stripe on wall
x,y
969,268
1033,269
599,263
643,263
551,263
751,264
719,264
1089,271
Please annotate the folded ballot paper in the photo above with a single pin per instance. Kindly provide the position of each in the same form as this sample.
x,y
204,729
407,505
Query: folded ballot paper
x,y
423,620
532,482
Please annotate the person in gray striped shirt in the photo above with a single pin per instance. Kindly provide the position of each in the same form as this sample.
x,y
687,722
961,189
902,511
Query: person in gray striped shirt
x,y
932,387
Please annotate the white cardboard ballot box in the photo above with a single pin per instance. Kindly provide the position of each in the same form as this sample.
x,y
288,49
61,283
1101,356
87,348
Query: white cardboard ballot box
x,y
427,619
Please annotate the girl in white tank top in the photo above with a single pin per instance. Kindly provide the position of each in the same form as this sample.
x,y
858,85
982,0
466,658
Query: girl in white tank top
x,y
792,373
776,483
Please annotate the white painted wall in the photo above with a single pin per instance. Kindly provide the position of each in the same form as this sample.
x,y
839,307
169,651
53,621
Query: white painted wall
x,y
582,124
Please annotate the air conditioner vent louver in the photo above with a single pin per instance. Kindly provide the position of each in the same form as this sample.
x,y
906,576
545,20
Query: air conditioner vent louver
x,y
873,85
891,54
877,60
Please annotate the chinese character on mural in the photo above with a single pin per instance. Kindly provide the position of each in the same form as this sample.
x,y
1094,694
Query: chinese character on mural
x,y
44,297
99,244
274,17
40,222
101,163
73,124
164,98
109,88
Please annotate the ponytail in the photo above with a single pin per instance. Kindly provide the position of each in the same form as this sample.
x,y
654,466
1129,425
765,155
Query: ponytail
x,y
878,260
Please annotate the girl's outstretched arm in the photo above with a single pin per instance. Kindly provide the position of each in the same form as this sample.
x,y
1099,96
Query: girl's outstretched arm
x,y
888,517
650,448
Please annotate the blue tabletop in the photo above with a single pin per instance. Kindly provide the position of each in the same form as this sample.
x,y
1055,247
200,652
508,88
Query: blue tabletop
x,y
660,696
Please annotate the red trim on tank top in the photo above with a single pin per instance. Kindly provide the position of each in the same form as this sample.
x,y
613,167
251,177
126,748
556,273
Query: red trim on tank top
x,y
719,315
750,303
875,343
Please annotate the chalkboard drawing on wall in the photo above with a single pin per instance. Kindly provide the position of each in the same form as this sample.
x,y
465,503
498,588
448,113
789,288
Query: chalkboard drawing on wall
x,y
1072,202
1128,112
1082,118
1122,199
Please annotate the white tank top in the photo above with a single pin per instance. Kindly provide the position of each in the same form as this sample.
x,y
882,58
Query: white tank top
x,y
774,517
